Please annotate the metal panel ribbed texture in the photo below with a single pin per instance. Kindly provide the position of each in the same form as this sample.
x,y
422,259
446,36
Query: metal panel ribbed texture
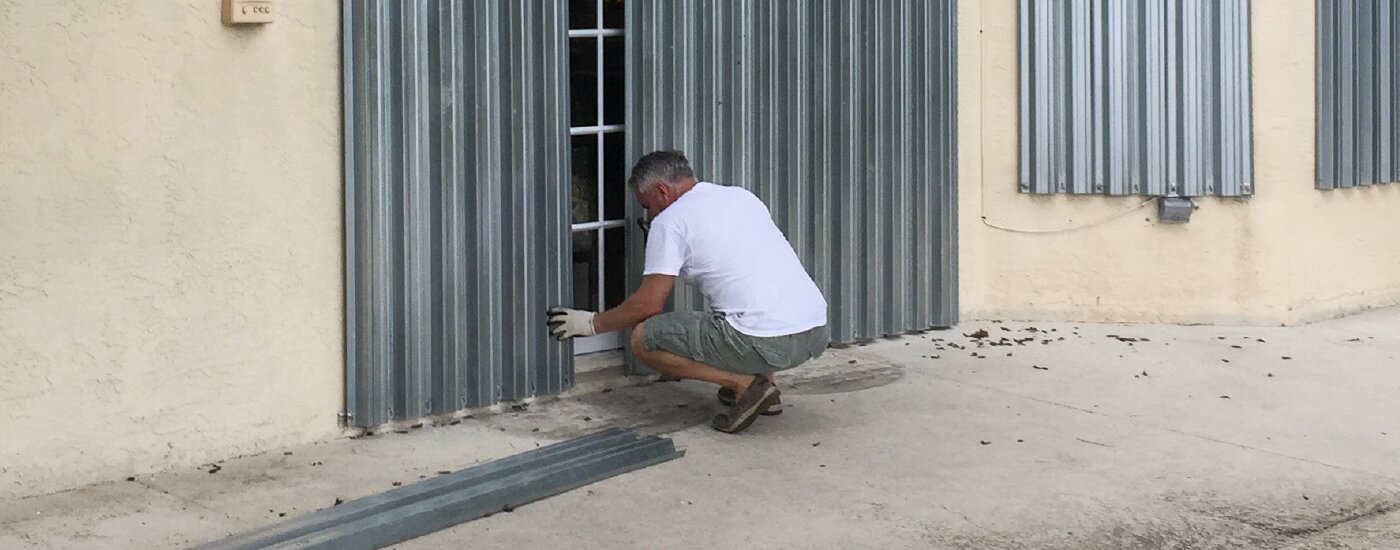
x,y
456,129
839,114
1358,93
1135,97
414,510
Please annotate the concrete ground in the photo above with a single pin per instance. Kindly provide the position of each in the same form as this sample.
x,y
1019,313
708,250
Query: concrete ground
x,y
1039,435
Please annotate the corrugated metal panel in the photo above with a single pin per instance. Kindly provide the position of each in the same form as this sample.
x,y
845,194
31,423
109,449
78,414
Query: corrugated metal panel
x,y
1358,93
839,114
456,125
414,510
1135,98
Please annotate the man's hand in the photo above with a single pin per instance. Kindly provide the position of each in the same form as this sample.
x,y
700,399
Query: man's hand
x,y
570,323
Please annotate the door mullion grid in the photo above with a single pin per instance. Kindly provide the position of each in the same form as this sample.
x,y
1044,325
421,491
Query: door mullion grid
x,y
598,166
597,131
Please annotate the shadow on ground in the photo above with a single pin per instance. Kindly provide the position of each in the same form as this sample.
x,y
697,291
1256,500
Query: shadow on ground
x,y
660,407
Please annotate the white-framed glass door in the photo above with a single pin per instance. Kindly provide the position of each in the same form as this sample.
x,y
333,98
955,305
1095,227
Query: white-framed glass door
x,y
599,189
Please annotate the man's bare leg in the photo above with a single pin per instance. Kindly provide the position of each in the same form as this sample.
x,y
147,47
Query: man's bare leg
x,y
674,365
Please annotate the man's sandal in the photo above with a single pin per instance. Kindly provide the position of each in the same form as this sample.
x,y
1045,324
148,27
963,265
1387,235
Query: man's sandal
x,y
760,395
726,398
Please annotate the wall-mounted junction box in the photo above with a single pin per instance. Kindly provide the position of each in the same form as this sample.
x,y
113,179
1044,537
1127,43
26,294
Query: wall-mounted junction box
x,y
1175,209
245,12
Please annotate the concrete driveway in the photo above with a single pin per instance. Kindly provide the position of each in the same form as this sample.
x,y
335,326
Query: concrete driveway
x,y
1036,435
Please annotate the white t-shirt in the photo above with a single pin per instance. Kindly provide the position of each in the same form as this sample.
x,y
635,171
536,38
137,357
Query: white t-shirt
x,y
723,240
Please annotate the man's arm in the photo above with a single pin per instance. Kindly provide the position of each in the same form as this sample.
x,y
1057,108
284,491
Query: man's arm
x,y
647,301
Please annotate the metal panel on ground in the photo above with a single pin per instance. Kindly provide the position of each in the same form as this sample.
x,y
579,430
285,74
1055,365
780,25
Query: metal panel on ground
x,y
420,508
1135,98
1358,93
839,114
457,216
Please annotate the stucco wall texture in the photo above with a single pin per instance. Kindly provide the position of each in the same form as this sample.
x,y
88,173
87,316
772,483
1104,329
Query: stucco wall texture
x,y
1290,254
170,236
171,250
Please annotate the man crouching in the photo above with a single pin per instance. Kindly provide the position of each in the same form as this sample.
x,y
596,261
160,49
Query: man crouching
x,y
766,315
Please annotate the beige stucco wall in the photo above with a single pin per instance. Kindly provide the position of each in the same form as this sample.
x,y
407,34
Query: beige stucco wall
x,y
170,228
170,236
1289,254
1339,251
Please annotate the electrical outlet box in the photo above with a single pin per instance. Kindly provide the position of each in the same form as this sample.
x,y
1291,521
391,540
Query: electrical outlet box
x,y
1175,209
248,12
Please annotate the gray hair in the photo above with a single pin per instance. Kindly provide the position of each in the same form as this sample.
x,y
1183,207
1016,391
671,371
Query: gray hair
x,y
669,167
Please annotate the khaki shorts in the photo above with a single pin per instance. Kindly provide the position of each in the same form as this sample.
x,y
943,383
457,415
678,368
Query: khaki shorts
x,y
708,338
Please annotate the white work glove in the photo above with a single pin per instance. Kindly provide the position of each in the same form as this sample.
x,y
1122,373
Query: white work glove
x,y
570,323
